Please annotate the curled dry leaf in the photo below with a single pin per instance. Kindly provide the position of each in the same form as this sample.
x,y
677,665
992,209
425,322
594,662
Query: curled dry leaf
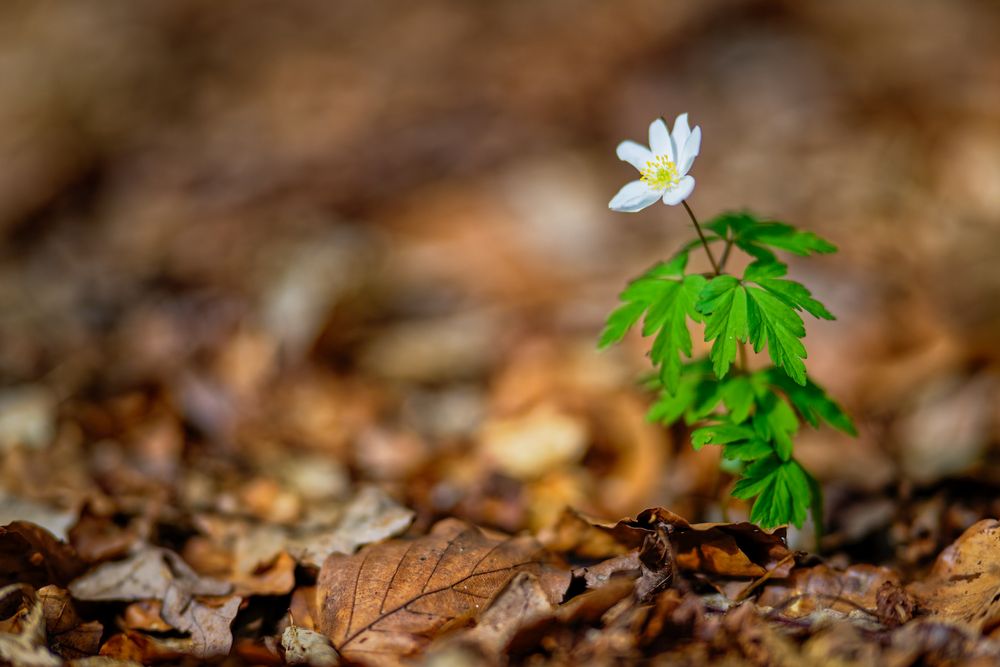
x,y
390,599
159,574
964,584
724,549
69,635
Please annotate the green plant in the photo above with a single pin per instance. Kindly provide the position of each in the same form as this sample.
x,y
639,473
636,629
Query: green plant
x,y
753,415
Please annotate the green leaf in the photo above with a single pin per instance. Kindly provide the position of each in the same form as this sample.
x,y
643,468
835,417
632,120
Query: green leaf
x,y
750,450
767,274
738,395
813,403
757,237
670,405
784,492
721,433
723,301
669,316
775,421
772,322
664,298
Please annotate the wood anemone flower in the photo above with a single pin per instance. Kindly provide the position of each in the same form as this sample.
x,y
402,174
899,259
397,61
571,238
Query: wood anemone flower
x,y
663,167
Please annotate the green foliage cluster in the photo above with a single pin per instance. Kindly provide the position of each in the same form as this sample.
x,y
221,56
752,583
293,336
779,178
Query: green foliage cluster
x,y
753,416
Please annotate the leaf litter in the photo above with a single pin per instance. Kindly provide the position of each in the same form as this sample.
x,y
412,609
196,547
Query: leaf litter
x,y
245,390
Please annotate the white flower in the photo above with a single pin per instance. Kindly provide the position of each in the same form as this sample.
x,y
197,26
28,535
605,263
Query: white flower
x,y
664,166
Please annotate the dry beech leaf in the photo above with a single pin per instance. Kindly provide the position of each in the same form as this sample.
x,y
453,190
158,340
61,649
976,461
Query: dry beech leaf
x,y
69,635
372,515
159,574
725,549
32,555
521,603
139,648
821,587
390,599
964,584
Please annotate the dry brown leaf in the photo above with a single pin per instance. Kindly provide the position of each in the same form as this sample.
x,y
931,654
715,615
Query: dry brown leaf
x,y
139,648
390,599
96,537
25,643
522,602
302,607
83,640
964,584
60,614
32,555
145,615
69,635
725,549
159,574
372,515
821,587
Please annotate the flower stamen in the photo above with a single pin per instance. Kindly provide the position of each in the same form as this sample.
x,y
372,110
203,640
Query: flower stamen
x,y
660,173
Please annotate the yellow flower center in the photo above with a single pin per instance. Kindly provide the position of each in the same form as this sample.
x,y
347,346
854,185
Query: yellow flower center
x,y
660,173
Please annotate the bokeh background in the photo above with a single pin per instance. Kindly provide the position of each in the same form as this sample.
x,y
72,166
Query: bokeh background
x,y
254,254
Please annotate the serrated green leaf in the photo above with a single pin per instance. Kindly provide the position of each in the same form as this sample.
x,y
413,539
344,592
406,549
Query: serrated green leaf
x,y
664,299
721,433
723,301
767,275
774,323
749,450
669,406
760,238
783,492
619,322
813,403
756,477
775,421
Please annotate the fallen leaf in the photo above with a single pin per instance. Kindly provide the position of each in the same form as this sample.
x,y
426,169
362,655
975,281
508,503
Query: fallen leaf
x,y
964,584
724,549
823,588
391,598
69,635
522,602
96,537
372,515
302,608
26,646
308,647
159,574
32,555
139,648
145,615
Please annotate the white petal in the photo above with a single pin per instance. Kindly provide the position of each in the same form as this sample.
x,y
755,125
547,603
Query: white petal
x,y
690,151
659,139
634,154
680,134
635,196
679,192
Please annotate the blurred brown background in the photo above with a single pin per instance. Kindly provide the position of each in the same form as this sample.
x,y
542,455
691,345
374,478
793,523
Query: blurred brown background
x,y
370,241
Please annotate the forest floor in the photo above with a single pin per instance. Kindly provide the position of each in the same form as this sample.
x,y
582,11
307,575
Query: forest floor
x,y
299,360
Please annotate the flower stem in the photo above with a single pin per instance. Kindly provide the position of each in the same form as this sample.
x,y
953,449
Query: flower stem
x,y
704,241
